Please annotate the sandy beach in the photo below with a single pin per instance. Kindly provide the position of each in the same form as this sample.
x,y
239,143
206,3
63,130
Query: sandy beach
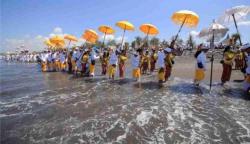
x,y
185,67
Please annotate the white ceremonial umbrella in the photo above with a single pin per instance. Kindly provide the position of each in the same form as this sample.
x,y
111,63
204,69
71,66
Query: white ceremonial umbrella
x,y
234,14
214,31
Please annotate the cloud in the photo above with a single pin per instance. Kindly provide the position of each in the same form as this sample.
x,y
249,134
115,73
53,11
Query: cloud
x,y
32,43
39,37
244,23
108,37
194,33
79,42
58,30
29,43
119,39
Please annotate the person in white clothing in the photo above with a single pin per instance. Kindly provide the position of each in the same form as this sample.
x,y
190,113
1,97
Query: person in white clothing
x,y
79,54
92,60
246,84
62,56
201,59
113,63
56,61
161,66
135,63
50,61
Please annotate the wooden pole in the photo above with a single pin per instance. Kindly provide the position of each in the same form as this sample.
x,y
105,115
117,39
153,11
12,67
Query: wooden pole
x,y
147,37
68,45
180,29
212,62
103,41
236,26
123,36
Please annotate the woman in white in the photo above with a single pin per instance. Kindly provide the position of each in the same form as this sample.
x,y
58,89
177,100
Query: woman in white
x,y
92,60
112,64
135,63
201,59
50,61
62,61
161,66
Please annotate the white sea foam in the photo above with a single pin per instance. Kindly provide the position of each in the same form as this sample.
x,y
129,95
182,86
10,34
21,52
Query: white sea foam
x,y
123,136
144,117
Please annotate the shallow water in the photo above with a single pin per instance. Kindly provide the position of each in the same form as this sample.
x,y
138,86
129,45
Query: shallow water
x,y
53,108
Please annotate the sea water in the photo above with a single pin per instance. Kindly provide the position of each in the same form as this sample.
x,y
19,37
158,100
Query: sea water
x,y
55,107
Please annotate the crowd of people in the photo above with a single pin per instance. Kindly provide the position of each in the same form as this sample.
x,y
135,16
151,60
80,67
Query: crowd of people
x,y
81,61
21,57
239,57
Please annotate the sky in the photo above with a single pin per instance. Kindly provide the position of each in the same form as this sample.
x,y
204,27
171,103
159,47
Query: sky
x,y
29,22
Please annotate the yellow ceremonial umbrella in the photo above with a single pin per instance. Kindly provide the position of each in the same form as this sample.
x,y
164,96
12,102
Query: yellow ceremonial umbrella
x,y
90,36
58,41
125,25
149,29
48,43
185,18
70,38
60,45
106,30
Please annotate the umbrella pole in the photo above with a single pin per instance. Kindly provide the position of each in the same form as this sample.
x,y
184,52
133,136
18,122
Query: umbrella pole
x,y
211,73
147,39
147,36
236,26
212,63
103,41
123,36
180,29
68,44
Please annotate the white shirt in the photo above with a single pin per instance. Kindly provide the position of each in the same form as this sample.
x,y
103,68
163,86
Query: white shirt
x,y
93,55
135,61
78,55
201,58
248,61
62,57
160,61
49,57
113,59
74,55
46,56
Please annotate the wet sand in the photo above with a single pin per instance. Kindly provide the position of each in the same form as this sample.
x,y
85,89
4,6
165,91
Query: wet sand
x,y
185,67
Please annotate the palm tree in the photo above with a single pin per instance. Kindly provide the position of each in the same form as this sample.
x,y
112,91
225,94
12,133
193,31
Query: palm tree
x,y
164,43
138,40
126,46
133,44
235,37
154,41
98,44
178,41
190,42
111,43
